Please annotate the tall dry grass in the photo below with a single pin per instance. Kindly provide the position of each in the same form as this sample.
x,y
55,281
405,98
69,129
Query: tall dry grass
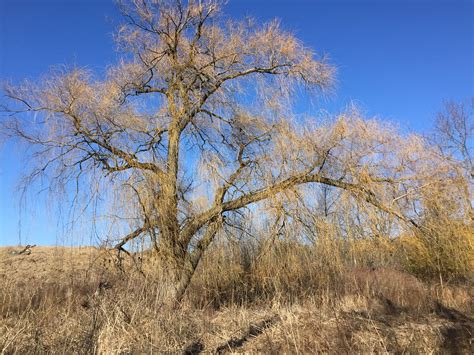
x,y
268,295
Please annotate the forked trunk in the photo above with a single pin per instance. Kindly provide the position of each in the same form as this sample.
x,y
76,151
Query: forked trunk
x,y
175,281
179,269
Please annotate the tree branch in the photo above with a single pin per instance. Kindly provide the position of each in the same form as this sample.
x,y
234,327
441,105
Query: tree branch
x,y
198,221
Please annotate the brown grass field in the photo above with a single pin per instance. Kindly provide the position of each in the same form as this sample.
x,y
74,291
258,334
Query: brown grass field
x,y
76,300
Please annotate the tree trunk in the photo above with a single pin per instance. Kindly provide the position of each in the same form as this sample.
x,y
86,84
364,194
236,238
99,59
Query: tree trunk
x,y
180,268
175,281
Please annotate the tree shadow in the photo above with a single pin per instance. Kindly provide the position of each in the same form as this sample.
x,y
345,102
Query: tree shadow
x,y
254,330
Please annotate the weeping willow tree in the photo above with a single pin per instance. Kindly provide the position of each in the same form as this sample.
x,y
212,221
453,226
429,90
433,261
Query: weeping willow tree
x,y
195,124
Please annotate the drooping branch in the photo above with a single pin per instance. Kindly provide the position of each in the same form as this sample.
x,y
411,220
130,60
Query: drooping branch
x,y
198,221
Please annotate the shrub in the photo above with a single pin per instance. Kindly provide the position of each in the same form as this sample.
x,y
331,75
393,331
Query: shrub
x,y
441,250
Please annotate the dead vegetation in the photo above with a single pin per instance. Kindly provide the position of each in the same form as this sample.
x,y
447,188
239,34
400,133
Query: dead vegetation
x,y
78,300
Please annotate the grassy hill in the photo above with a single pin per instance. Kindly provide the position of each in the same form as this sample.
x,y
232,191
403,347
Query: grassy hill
x,y
77,300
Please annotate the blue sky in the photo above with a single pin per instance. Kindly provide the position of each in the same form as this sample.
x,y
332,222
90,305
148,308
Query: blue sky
x,y
396,59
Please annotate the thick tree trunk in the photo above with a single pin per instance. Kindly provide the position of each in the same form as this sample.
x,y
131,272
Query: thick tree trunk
x,y
180,267
193,258
176,278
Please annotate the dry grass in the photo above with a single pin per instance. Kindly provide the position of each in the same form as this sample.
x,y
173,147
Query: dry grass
x,y
75,300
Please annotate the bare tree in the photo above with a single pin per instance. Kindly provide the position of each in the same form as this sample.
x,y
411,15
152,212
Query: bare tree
x,y
195,124
454,133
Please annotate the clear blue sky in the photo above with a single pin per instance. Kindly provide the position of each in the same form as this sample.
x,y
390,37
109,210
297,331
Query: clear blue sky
x,y
396,59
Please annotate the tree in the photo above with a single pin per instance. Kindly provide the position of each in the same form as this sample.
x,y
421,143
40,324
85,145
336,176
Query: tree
x,y
454,133
194,124
453,138
444,247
